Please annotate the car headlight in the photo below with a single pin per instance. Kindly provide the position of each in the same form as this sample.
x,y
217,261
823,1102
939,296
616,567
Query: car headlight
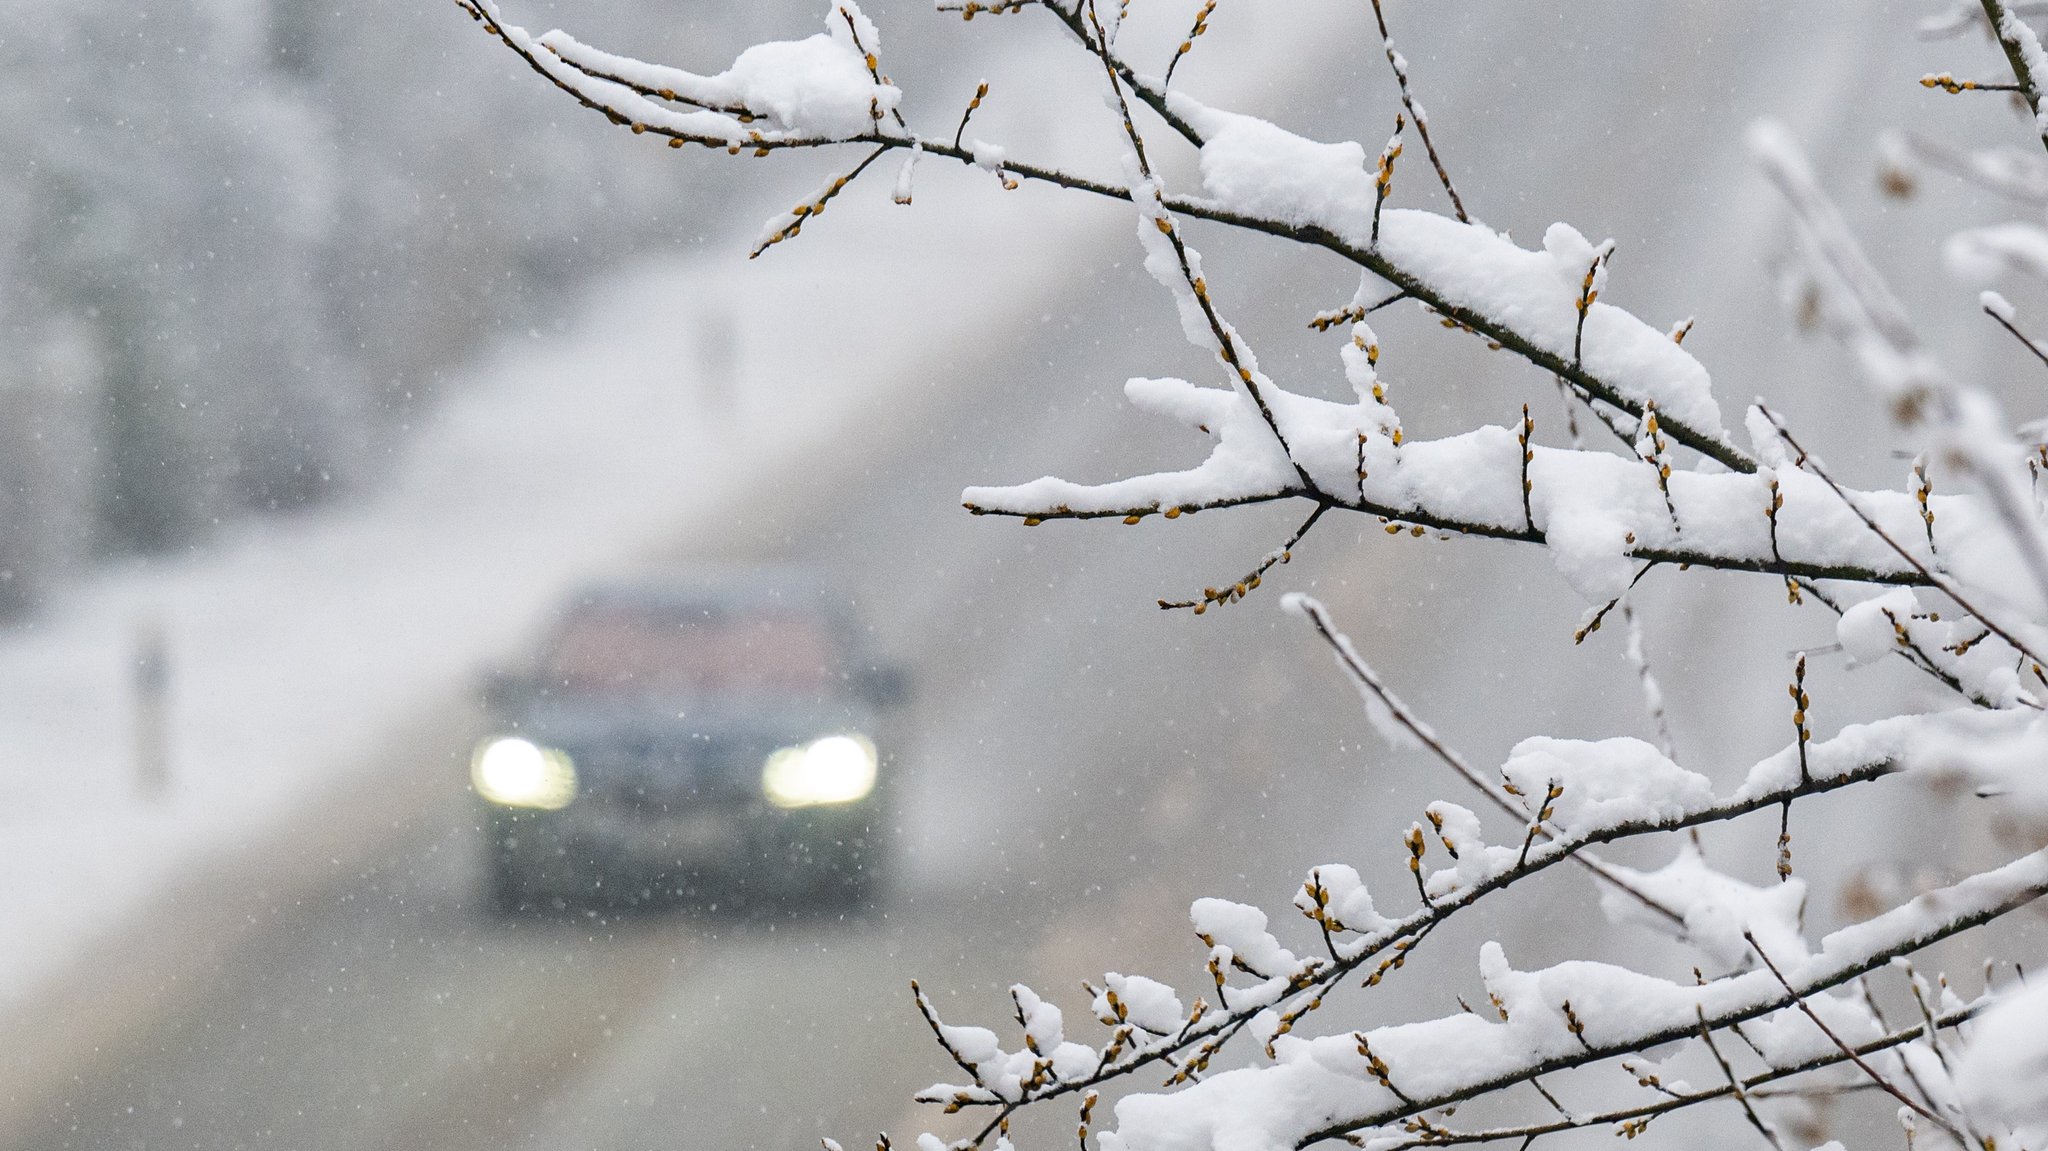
x,y
515,772
835,769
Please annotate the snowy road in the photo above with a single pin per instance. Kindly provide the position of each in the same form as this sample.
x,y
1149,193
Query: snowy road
x,y
1086,764
381,1008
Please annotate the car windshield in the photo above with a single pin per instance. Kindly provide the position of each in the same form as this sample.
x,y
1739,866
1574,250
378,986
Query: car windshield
x,y
690,649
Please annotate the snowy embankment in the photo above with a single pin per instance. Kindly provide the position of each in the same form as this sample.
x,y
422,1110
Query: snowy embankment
x,y
298,646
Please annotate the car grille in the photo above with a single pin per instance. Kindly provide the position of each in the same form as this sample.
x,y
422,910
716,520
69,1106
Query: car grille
x,y
670,777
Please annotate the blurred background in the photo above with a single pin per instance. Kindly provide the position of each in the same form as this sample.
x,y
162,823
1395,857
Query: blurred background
x,y
343,350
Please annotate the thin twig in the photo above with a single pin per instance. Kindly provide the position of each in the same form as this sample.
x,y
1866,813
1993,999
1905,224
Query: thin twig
x,y
1400,67
1653,696
931,1018
1945,585
2027,342
1847,969
1914,382
1526,433
1947,82
1592,624
1188,44
1226,339
1917,655
1402,935
1319,619
1351,313
1735,1085
1752,1085
1251,580
980,93
1806,1009
2013,38
804,212
874,66
1691,554
1404,280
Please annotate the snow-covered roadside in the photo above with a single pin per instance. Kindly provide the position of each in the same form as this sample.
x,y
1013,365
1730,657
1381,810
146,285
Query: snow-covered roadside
x,y
296,648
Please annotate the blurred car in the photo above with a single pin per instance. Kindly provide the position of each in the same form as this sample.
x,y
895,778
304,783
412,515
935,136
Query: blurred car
x,y
690,739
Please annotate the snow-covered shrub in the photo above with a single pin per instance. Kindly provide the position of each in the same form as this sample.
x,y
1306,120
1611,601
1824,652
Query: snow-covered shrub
x,y
1953,583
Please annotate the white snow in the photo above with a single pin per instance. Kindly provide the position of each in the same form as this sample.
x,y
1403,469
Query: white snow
x,y
1979,255
1867,630
1241,928
2020,34
818,88
1590,545
1475,267
1256,168
1604,783
2005,1062
1148,1003
987,155
1350,906
1043,1023
1263,170
1474,860
1718,909
975,1045
1601,515
905,174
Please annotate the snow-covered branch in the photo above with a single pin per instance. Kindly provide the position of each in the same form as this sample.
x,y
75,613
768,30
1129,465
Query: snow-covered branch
x,y
1948,571
1606,792
1493,1055
1634,1119
1256,176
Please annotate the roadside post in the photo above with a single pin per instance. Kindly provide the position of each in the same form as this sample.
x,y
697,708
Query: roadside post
x,y
151,692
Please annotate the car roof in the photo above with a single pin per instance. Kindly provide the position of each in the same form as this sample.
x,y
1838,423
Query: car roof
x,y
721,588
